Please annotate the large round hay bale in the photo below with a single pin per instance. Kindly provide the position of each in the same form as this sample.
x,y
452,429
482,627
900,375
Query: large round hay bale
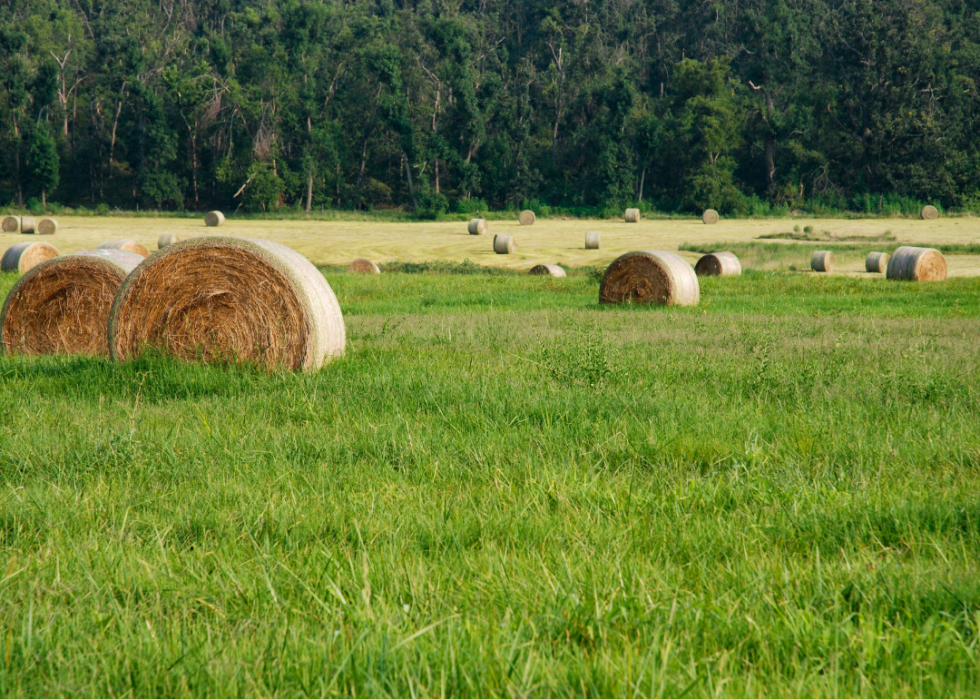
x,y
929,213
363,266
527,218
718,264
62,306
503,244
133,246
166,239
632,216
917,265
47,226
650,276
10,224
478,226
213,219
710,217
822,261
224,299
27,224
876,262
25,256
592,240
547,270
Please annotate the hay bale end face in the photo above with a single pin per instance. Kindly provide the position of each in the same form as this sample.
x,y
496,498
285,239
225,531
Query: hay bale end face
x,y
917,265
133,246
718,264
23,257
166,239
547,270
478,226
650,276
47,226
28,224
10,224
632,216
504,244
213,219
929,213
363,266
62,305
709,217
223,299
822,261
592,240
876,262
527,218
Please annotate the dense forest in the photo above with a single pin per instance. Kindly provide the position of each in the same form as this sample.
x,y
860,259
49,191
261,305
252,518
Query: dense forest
x,y
460,105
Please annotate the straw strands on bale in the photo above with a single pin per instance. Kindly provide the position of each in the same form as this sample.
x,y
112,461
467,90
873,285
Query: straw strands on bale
x,y
10,224
917,265
132,246
632,216
650,276
166,239
822,261
363,266
710,217
62,305
547,270
929,213
527,218
478,226
25,256
213,219
718,264
503,244
47,226
227,299
876,262
592,240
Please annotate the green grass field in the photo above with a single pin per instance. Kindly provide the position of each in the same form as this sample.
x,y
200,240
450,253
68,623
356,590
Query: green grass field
x,y
505,490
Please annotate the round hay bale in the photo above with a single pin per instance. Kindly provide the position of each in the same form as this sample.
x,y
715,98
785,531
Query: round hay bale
x,y
718,264
213,219
166,239
363,266
822,261
876,262
132,246
710,217
632,216
547,270
650,276
527,218
592,240
224,299
10,224
27,224
929,213
478,226
62,306
503,244
47,226
25,256
917,265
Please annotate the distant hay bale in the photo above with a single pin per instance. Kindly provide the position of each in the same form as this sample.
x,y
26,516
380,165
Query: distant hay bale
x,y
363,266
10,224
504,244
47,226
876,262
213,219
23,257
632,216
592,240
166,239
547,270
62,306
27,224
917,265
224,299
710,217
718,264
478,226
132,246
650,276
929,213
527,218
822,261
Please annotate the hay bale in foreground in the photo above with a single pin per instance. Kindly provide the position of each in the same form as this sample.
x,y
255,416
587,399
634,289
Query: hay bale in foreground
x,y
62,306
10,224
167,239
876,262
47,226
213,219
632,216
592,240
822,261
547,270
709,217
224,299
929,213
27,224
527,218
718,264
650,276
917,265
23,257
503,244
478,226
133,246
363,266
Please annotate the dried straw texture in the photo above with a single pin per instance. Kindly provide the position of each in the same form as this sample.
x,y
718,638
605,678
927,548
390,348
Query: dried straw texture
x,y
167,239
650,276
47,226
917,265
503,244
363,266
929,213
547,270
822,261
632,216
876,262
213,219
718,264
133,246
710,217
62,305
592,240
11,224
27,224
478,226
25,256
225,299
527,218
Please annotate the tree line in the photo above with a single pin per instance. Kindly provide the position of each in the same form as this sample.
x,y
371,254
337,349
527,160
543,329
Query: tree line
x,y
461,105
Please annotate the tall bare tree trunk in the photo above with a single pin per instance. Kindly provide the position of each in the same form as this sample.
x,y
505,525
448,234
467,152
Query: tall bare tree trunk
x,y
408,174
309,175
20,185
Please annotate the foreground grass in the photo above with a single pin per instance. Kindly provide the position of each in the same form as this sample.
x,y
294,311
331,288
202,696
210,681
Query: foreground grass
x,y
506,490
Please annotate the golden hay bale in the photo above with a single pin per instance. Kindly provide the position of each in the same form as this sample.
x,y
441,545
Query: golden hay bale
x,y
710,217
213,219
27,224
478,226
503,244
10,224
47,226
632,216
650,276
527,218
218,298
592,240
166,239
822,261
363,266
132,246
917,265
929,213
876,262
62,305
547,270
25,256
718,264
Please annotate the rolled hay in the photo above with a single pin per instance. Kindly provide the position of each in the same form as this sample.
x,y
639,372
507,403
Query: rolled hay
x,y
27,224
478,226
133,246
23,257
503,244
917,265
224,299
527,218
213,219
10,224
822,261
62,306
363,266
47,226
709,217
166,239
632,216
718,264
547,270
929,213
650,276
876,262
592,240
